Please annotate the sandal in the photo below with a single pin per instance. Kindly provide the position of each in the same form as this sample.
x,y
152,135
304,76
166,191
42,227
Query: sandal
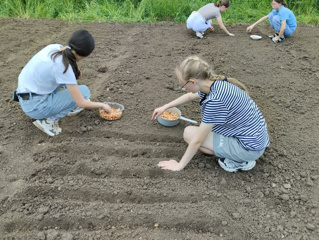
x,y
274,35
279,40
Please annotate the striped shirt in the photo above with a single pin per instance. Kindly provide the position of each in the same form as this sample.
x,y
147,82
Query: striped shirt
x,y
234,114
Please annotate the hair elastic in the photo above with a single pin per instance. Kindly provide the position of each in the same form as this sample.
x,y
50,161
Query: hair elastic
x,y
68,47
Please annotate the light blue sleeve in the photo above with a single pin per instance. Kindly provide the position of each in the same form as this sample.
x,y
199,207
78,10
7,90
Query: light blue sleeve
x,y
284,14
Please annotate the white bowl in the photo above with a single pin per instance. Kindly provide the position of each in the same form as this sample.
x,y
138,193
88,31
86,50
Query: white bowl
x,y
255,37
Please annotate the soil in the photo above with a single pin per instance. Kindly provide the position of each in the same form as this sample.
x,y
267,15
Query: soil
x,y
98,179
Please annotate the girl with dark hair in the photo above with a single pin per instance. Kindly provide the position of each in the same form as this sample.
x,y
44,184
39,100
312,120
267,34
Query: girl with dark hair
x,y
232,127
281,19
40,93
201,20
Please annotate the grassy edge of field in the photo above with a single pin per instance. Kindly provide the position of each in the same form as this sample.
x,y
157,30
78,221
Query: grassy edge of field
x,y
148,11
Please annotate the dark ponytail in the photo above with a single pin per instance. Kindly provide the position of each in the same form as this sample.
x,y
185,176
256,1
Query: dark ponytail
x,y
281,2
222,3
82,42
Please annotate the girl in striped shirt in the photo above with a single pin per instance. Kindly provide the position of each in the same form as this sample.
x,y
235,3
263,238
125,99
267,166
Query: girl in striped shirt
x,y
232,127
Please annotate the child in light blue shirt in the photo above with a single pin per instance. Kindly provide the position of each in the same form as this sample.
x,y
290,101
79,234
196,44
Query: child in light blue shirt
x,y
281,19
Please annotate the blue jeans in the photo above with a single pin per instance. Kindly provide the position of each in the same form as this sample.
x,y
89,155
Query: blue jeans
x,y
55,105
275,23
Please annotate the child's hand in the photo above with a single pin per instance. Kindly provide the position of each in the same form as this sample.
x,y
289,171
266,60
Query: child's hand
x,y
170,165
249,28
106,108
157,112
212,28
275,38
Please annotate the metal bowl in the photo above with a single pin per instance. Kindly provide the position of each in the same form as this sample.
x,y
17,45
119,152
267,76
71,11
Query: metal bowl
x,y
170,123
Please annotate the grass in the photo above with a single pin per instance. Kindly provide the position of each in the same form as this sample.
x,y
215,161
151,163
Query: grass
x,y
241,11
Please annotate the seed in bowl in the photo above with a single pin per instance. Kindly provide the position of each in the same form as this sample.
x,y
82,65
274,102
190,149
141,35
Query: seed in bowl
x,y
169,115
115,114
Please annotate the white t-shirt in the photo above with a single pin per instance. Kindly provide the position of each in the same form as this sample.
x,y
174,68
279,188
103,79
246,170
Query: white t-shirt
x,y
42,75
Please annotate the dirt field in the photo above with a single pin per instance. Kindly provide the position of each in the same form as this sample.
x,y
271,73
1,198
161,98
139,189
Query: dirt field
x,y
98,179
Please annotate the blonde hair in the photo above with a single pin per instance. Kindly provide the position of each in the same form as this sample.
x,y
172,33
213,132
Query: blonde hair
x,y
194,67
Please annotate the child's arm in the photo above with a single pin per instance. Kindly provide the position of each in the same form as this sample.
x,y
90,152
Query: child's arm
x,y
196,142
211,24
188,97
282,30
222,26
259,21
82,102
